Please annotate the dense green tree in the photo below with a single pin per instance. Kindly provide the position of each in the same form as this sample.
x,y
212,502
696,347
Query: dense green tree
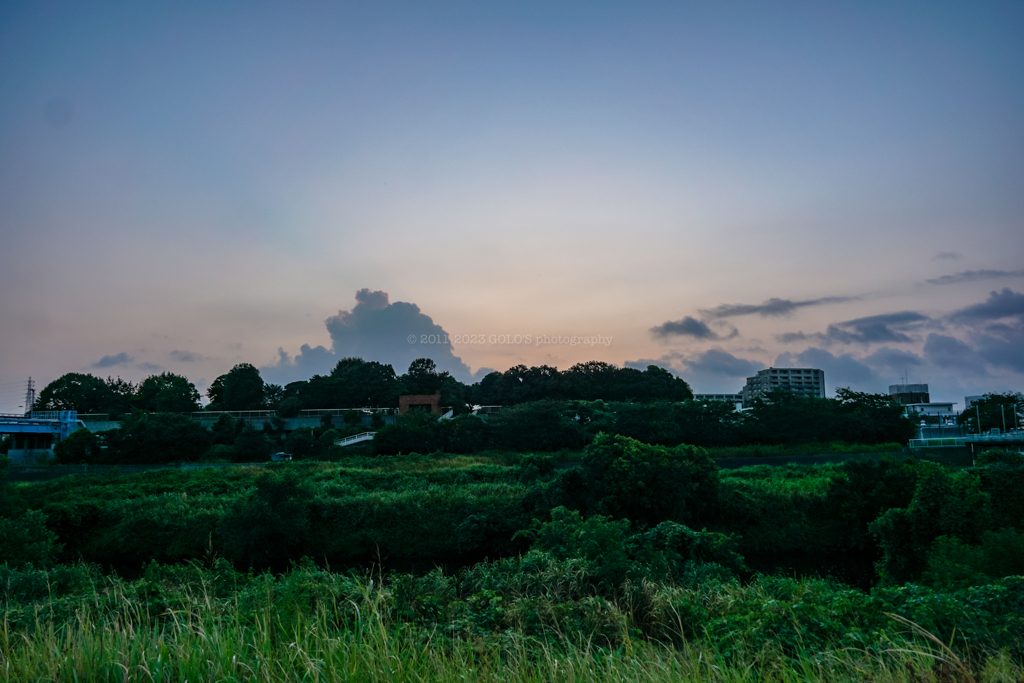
x,y
5,463
538,426
423,377
81,446
368,384
868,489
353,383
301,444
241,388
654,423
273,394
121,394
945,503
167,393
590,381
145,438
226,429
708,423
997,411
414,432
953,564
25,539
85,393
649,484
252,445
784,417
870,418
289,407
270,525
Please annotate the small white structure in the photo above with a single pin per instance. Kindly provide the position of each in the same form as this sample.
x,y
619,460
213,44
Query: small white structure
x,y
931,409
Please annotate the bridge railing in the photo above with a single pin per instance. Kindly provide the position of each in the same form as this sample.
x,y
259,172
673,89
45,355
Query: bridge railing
x,y
271,414
1016,435
355,438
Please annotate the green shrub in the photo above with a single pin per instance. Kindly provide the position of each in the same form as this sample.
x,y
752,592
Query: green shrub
x,y
953,564
153,438
649,484
26,540
80,446
252,445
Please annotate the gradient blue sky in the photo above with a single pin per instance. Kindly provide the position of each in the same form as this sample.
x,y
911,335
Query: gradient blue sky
x,y
185,186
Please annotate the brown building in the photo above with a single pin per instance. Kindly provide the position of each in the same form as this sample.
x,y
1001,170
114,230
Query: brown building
x,y
427,402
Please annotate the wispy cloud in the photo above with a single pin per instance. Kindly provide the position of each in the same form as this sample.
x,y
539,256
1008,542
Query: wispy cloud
x,y
773,307
872,329
975,276
186,356
688,327
947,256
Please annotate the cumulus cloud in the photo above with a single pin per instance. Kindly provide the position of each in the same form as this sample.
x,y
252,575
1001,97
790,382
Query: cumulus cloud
x,y
873,329
773,307
1002,304
840,371
378,330
975,276
111,361
186,356
311,360
150,367
687,327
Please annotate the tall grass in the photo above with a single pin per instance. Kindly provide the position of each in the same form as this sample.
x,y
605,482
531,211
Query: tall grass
x,y
766,451
195,647
110,632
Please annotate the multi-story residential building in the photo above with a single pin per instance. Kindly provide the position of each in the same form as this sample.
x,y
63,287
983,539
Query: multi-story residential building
x,y
807,382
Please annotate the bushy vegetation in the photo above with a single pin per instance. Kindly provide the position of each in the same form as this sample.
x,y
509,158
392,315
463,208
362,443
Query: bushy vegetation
x,y
636,555
535,617
780,423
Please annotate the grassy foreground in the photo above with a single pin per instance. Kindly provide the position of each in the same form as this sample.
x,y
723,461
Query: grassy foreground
x,y
193,649
113,630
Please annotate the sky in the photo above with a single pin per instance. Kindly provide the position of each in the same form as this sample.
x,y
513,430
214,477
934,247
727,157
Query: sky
x,y
711,187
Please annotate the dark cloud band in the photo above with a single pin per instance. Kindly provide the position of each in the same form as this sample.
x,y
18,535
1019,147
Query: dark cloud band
x,y
771,307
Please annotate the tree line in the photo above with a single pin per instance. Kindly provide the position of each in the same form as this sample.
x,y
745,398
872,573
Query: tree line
x,y
534,427
356,383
